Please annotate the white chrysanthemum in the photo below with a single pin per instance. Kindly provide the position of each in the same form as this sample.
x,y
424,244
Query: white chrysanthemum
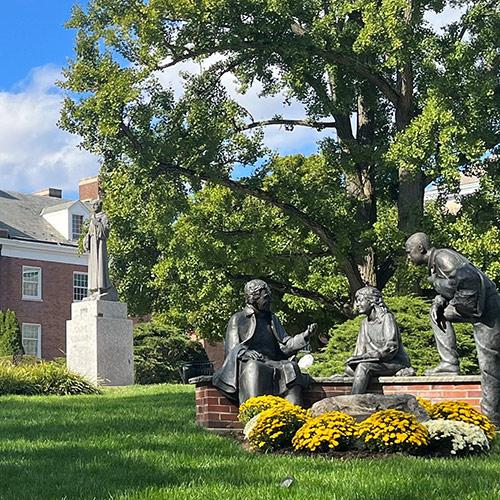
x,y
455,437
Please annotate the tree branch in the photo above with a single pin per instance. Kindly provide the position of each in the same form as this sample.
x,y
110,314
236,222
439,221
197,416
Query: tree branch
x,y
362,71
339,59
328,303
318,125
323,233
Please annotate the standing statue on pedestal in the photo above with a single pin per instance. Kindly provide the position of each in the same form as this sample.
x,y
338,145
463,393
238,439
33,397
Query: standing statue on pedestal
x,y
258,350
95,242
379,350
464,295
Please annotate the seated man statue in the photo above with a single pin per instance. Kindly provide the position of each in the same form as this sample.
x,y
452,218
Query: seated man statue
x,y
379,350
464,295
257,351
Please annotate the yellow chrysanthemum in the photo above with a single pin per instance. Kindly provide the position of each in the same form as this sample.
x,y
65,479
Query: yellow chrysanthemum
x,y
254,406
332,430
463,412
276,426
392,430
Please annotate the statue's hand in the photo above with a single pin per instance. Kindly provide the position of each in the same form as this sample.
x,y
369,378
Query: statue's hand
x,y
311,330
439,301
437,315
251,354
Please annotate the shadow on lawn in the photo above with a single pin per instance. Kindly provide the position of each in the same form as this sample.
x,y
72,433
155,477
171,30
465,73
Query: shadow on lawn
x,y
106,446
98,446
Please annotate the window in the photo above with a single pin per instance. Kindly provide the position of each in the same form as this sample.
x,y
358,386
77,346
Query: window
x,y
80,286
76,226
32,283
31,339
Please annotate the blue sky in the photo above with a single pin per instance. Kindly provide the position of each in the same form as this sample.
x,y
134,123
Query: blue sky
x,y
32,34
34,153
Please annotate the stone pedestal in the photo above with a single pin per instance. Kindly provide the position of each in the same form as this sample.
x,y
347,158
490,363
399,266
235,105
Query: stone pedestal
x,y
99,342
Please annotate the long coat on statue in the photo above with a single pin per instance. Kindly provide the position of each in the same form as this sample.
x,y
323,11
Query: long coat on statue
x,y
96,242
239,333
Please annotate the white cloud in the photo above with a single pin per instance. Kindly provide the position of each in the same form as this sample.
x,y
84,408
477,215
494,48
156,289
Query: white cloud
x,y
34,152
440,20
301,139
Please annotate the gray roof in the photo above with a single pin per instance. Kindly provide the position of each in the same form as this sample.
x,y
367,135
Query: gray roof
x,y
21,215
59,206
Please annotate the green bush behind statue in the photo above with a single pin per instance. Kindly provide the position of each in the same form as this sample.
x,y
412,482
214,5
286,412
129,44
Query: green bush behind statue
x,y
160,350
10,335
412,315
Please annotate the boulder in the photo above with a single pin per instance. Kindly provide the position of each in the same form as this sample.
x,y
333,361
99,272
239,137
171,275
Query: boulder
x,y
361,406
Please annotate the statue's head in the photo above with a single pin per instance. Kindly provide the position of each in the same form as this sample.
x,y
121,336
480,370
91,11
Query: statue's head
x,y
96,205
417,248
366,298
258,294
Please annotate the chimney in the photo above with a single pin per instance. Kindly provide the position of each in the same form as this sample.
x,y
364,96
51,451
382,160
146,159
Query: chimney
x,y
51,192
89,188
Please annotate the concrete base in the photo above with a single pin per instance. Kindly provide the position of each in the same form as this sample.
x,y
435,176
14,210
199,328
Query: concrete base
x,y
99,342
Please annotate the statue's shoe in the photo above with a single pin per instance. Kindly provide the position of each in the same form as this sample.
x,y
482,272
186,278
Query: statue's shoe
x,y
444,368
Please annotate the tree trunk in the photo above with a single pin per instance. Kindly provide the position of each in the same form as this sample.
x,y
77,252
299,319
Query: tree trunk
x,y
410,201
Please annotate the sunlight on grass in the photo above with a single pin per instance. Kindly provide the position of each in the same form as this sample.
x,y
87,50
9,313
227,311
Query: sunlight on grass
x,y
142,442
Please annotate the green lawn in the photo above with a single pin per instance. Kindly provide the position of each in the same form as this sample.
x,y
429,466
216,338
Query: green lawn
x,y
141,442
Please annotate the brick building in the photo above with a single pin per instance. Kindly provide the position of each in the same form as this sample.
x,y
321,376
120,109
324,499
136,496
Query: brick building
x,y
41,271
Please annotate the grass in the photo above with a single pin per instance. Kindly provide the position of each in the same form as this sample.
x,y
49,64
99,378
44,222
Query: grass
x,y
141,442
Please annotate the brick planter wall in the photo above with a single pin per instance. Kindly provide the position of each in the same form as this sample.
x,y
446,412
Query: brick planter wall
x,y
215,412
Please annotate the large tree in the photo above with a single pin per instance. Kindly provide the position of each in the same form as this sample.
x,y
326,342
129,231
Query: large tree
x,y
406,106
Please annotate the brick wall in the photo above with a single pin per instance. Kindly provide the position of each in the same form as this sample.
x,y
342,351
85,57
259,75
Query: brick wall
x,y
54,308
215,412
89,188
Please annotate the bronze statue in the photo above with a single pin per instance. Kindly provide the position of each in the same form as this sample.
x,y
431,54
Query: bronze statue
x,y
258,352
379,350
467,295
95,242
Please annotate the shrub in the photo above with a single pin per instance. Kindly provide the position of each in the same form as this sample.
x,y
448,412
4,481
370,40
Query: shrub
x,y
160,350
412,316
453,437
254,406
464,412
392,430
276,427
10,335
331,431
42,379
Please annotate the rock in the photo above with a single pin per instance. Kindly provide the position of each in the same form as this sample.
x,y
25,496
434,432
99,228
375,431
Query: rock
x,y
361,406
250,425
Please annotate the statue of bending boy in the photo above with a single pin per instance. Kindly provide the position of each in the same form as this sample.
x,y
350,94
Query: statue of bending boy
x,y
379,350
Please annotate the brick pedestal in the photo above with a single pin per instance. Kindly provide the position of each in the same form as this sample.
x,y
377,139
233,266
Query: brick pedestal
x,y
215,412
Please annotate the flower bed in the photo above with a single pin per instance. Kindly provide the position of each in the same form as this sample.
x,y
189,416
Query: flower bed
x,y
455,428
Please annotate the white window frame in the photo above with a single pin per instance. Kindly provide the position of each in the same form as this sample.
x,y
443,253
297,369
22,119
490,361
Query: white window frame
x,y
38,339
39,294
79,272
73,226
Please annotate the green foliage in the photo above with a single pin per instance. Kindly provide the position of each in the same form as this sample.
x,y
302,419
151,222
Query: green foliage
x,y
160,350
42,378
412,316
189,228
10,334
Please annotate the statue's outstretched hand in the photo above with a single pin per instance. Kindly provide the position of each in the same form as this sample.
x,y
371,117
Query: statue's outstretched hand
x,y
311,330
